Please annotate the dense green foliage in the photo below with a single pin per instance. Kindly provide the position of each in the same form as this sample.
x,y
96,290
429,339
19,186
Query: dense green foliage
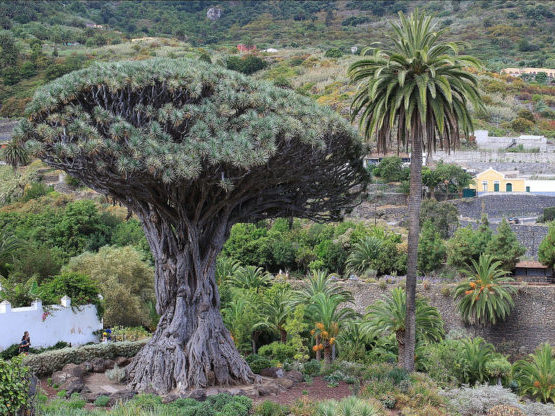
x,y
486,296
537,375
546,250
14,386
431,249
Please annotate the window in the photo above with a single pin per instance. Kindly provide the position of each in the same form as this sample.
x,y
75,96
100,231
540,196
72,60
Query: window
x,y
484,186
527,189
509,187
496,186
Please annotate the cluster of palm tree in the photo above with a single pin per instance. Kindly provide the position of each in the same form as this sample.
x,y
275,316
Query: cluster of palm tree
x,y
416,94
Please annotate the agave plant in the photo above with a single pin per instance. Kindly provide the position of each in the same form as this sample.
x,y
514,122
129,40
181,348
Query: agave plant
x,y
349,406
389,315
537,377
486,296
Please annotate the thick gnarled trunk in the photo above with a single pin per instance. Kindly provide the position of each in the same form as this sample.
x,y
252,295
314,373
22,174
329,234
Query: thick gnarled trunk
x,y
191,348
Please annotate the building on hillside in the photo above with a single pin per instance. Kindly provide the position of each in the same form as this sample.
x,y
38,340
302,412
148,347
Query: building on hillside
x,y
484,141
516,72
533,271
491,180
246,48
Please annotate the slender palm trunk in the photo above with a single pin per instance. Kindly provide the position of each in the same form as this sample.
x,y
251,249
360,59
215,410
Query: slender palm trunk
x,y
400,336
415,199
282,335
318,353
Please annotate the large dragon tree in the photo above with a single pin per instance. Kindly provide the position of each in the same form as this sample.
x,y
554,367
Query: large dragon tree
x,y
192,149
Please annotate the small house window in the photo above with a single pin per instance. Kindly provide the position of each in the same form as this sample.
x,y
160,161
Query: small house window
x,y
485,186
527,189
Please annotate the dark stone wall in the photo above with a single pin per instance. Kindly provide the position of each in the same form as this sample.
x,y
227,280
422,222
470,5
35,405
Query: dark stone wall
x,y
504,205
531,322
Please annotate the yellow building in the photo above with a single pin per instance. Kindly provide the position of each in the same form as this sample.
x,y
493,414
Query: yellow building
x,y
491,180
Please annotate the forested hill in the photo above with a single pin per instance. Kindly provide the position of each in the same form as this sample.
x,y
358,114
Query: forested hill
x,y
500,32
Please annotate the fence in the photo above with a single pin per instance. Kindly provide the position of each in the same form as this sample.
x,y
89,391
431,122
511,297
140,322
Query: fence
x,y
49,325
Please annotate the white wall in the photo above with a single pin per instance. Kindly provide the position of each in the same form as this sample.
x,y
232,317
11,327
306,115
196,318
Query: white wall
x,y
545,187
64,323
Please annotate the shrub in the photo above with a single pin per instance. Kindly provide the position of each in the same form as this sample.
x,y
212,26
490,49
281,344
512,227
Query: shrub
x,y
312,367
102,401
333,53
257,363
268,408
247,65
346,407
504,410
50,361
537,376
116,374
14,386
498,368
390,169
277,351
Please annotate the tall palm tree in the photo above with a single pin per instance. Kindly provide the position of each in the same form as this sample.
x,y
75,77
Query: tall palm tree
x,y
486,296
275,310
389,315
417,94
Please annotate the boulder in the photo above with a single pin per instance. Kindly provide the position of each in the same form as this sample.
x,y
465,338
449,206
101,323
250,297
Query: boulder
x,y
70,371
251,392
268,389
285,382
273,372
295,376
122,361
74,370
197,394
73,385
121,396
109,364
98,365
86,366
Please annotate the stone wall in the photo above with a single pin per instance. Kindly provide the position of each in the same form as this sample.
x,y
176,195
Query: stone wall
x,y
504,205
531,322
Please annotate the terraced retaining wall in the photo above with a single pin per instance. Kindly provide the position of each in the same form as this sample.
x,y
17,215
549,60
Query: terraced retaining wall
x,y
531,323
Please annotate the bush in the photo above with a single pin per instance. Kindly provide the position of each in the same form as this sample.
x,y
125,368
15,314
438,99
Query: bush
x,y
537,376
277,351
116,374
268,408
247,65
257,363
333,53
14,386
346,407
102,401
312,367
50,361
390,169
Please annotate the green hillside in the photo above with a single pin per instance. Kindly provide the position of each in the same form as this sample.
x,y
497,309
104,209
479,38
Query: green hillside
x,y
45,39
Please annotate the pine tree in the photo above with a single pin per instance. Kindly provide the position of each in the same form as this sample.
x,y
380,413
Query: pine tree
x,y
431,249
505,247
192,149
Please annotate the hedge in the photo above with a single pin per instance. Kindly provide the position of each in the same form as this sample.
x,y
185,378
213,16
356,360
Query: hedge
x,y
50,361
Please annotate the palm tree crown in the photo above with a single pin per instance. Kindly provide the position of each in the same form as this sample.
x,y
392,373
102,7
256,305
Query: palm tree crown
x,y
486,296
419,84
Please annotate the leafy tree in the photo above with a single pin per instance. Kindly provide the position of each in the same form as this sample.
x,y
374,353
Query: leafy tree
x,y
247,65
333,53
8,50
467,244
505,247
444,216
486,296
419,88
242,318
388,315
192,149
391,169
78,286
431,249
546,249
9,245
124,279
276,309
537,376
19,293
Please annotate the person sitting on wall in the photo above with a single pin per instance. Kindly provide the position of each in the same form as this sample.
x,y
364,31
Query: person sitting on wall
x,y
25,343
